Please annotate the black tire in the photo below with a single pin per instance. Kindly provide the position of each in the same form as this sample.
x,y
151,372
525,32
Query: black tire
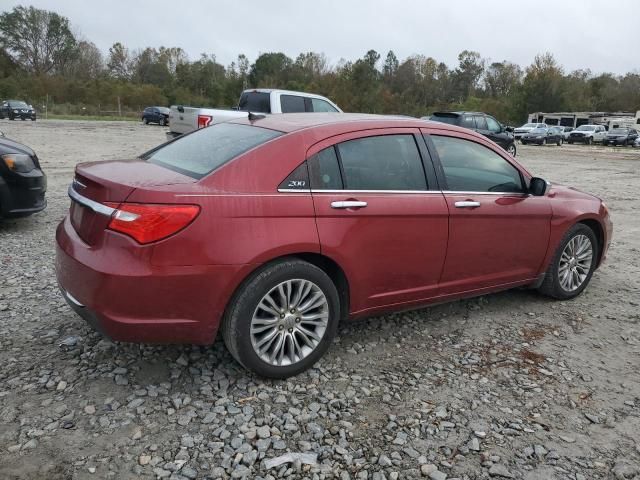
x,y
162,122
237,319
145,120
590,141
11,117
523,142
570,142
544,141
551,285
512,150
559,142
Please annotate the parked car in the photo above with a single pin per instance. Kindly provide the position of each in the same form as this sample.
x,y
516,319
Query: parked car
x,y
321,218
13,109
588,134
258,100
620,136
565,132
480,122
526,128
22,182
159,115
543,136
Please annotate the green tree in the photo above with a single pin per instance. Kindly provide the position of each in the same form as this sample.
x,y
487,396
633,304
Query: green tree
x,y
119,62
39,41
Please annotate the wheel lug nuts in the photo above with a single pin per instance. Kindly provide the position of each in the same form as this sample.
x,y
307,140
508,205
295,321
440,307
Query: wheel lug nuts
x,y
298,320
291,330
280,327
293,310
282,315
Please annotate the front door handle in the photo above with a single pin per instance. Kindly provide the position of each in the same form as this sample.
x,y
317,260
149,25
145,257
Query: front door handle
x,y
348,204
467,204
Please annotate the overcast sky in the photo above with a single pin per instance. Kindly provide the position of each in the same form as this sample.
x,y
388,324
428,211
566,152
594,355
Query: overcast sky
x,y
600,36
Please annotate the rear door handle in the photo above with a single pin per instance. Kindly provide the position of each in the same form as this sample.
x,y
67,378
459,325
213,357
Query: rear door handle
x,y
348,204
467,204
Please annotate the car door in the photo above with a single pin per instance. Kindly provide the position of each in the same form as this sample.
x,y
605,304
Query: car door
x,y
599,134
498,234
495,132
379,216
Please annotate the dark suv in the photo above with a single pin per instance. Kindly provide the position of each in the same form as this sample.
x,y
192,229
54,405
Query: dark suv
x,y
159,115
482,123
13,109
22,181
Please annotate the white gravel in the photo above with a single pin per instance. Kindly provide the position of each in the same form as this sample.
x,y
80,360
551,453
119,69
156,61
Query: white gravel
x,y
511,385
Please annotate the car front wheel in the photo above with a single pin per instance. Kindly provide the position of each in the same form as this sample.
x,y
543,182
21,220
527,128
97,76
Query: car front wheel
x,y
282,319
572,265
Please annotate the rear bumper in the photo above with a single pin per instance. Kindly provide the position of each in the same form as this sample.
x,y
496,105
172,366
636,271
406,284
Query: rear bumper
x,y
23,195
127,299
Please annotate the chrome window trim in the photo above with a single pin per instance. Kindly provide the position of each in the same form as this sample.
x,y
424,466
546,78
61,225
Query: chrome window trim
x,y
91,204
514,194
314,190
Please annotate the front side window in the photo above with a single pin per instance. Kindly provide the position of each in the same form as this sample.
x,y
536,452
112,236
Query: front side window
x,y
467,122
481,123
471,167
201,152
322,106
292,103
493,125
388,162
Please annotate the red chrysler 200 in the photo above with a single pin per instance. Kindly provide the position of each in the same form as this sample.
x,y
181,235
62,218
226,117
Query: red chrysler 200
x,y
275,229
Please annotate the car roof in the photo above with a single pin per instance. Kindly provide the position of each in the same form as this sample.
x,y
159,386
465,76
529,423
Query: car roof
x,y
291,122
459,112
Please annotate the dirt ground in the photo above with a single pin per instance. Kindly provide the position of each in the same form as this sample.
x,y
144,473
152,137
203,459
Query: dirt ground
x,y
511,385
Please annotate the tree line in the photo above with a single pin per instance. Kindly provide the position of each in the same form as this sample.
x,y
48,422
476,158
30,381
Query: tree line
x,y
43,60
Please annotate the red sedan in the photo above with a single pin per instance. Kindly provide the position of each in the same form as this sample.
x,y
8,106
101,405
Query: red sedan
x,y
275,229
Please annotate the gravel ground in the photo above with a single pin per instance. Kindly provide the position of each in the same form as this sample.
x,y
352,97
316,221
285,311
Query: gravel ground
x,y
511,385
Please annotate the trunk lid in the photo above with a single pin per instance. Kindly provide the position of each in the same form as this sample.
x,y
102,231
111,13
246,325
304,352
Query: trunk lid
x,y
112,181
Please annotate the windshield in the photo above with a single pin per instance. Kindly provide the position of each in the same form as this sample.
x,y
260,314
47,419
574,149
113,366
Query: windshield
x,y
201,152
619,131
538,130
588,128
18,105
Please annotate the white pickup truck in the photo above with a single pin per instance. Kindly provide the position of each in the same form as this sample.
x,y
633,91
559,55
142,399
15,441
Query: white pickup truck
x,y
259,100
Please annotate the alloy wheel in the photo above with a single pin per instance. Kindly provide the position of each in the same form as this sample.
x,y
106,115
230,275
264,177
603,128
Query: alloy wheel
x,y
575,263
289,322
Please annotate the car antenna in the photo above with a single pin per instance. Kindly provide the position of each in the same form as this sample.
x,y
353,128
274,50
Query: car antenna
x,y
256,116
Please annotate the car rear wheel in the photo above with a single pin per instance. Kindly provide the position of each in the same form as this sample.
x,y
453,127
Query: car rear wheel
x,y
145,120
282,319
572,265
559,141
162,122
511,150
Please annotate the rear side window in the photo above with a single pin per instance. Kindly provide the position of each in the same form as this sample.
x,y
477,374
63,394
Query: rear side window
x,y
259,102
324,170
292,103
321,106
470,167
467,122
389,162
201,152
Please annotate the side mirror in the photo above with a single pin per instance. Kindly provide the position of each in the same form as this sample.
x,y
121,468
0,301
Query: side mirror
x,y
508,129
538,186
180,108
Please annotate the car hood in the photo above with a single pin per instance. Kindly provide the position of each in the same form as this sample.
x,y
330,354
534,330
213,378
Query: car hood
x,y
523,129
557,190
11,146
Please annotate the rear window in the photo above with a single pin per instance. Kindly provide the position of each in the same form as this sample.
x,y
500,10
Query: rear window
x,y
259,102
201,152
450,119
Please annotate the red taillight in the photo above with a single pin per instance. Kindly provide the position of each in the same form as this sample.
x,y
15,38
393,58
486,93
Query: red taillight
x,y
204,120
148,223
